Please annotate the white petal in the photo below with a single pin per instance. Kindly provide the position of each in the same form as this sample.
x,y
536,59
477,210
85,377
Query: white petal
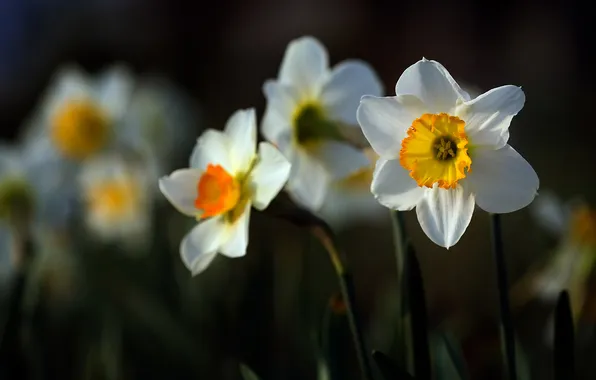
x,y
114,90
444,215
281,105
241,129
180,188
269,175
11,160
213,147
342,207
340,159
237,236
430,82
308,182
304,65
393,187
200,245
69,83
385,121
345,86
502,180
488,116
550,212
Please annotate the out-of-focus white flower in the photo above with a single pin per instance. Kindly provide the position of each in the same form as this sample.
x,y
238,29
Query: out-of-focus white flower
x,y
161,120
307,107
226,177
349,199
78,115
575,257
117,193
443,152
27,199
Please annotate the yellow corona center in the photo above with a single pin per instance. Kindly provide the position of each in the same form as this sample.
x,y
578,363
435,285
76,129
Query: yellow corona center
x,y
361,179
80,129
311,125
113,199
219,193
583,226
436,151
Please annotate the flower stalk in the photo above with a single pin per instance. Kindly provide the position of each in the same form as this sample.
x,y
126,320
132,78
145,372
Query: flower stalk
x,y
503,288
326,237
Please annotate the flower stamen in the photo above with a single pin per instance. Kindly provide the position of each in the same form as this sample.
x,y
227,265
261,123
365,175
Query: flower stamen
x,y
217,192
435,151
80,129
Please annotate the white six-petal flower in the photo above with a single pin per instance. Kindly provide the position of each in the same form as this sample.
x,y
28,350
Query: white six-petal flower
x,y
78,114
442,152
117,194
226,177
305,107
349,199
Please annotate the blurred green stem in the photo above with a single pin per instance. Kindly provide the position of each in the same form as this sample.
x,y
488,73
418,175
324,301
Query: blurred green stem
x,y
284,207
347,289
400,242
564,352
12,350
503,287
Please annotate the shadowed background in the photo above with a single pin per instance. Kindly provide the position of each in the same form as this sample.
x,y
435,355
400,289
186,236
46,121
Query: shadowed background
x,y
221,54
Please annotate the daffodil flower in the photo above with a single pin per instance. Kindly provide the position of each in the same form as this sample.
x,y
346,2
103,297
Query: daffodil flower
x,y
226,177
573,261
349,199
117,195
308,106
32,196
78,115
443,152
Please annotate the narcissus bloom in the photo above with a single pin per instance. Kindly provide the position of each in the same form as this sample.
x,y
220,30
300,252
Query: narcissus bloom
x,y
308,108
442,152
117,193
32,194
226,177
78,115
349,199
572,263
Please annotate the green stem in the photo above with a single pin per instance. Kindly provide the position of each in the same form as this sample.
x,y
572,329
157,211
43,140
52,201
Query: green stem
x,y
503,286
347,289
564,355
401,258
284,207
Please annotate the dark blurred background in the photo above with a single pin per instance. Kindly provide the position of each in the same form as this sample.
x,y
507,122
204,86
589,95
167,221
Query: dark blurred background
x,y
222,52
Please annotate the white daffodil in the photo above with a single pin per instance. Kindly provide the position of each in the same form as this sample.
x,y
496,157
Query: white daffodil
x,y
574,259
160,121
32,195
307,107
349,199
226,177
572,264
78,115
442,152
117,193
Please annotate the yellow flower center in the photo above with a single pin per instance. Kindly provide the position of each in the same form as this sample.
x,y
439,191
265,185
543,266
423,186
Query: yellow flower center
x,y
436,151
583,226
219,193
311,125
80,129
359,180
114,199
